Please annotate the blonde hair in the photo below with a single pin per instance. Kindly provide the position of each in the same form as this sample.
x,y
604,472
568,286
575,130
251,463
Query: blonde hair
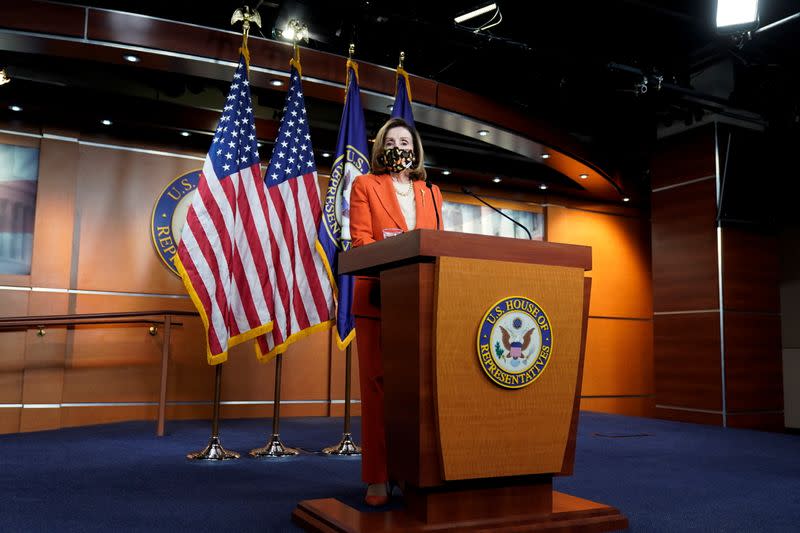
x,y
418,172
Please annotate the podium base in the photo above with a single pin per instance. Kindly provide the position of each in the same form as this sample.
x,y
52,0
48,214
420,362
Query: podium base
x,y
569,514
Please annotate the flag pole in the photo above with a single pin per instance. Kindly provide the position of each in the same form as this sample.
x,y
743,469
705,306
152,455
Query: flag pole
x,y
346,446
214,451
274,446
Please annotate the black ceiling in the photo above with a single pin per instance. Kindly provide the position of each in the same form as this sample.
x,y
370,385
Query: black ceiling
x,y
578,64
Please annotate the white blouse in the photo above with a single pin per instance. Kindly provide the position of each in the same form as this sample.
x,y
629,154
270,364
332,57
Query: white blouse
x,y
407,204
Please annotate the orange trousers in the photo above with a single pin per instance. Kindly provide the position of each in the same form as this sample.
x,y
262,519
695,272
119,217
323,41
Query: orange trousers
x,y
366,308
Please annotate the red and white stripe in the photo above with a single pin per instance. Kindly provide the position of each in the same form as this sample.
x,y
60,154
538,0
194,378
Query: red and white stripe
x,y
304,296
222,252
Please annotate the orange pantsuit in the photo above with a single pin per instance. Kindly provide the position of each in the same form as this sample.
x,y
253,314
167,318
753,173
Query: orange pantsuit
x,y
373,208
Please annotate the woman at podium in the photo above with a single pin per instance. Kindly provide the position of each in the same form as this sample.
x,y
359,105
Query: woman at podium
x,y
393,199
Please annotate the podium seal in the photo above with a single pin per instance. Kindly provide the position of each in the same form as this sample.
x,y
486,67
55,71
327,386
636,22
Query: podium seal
x,y
515,342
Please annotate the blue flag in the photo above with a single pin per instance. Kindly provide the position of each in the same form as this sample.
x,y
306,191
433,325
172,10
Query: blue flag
x,y
350,162
402,98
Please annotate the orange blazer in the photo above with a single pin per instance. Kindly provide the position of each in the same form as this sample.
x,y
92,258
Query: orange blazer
x,y
374,207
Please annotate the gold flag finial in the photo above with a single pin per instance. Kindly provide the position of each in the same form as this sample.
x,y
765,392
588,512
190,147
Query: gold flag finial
x,y
402,59
245,16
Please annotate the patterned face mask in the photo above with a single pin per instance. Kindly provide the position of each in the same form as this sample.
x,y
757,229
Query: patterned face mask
x,y
396,159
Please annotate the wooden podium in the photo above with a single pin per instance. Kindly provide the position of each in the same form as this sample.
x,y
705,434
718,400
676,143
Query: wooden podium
x,y
473,442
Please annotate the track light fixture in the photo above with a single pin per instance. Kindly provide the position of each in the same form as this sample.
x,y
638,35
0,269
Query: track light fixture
x,y
495,18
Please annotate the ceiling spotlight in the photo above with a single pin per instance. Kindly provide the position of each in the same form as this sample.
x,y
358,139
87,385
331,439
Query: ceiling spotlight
x,y
4,78
325,154
276,82
15,108
185,134
131,58
545,156
295,31
474,13
483,133
737,15
497,180
105,122
445,172
626,199
584,176
543,187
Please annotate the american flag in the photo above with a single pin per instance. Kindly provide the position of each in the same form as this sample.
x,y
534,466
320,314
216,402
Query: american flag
x,y
304,296
236,246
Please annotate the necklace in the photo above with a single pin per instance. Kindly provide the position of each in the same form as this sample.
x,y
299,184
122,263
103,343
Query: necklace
x,y
400,189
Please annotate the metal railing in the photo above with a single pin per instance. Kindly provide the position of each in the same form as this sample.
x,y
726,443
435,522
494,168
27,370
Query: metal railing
x,y
41,323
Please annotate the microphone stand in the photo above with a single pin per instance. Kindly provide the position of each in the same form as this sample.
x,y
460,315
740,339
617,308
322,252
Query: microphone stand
x,y
435,207
490,206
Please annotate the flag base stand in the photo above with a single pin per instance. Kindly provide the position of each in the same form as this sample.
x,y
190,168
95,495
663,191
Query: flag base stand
x,y
213,452
346,446
274,448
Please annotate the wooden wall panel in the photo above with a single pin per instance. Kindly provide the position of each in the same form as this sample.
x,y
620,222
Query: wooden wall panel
x,y
12,360
695,417
685,157
791,393
125,358
685,248
621,278
636,406
9,420
753,362
751,271
619,354
43,17
687,361
45,358
117,191
764,421
55,212
619,358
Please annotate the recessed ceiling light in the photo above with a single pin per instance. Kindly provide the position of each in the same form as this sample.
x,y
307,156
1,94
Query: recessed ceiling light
x,y
105,122
445,172
15,108
584,176
185,134
543,187
276,83
326,154
545,156
131,58
497,180
626,199
483,133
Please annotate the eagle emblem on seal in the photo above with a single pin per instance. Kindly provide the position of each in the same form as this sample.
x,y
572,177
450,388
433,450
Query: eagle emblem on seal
x,y
515,342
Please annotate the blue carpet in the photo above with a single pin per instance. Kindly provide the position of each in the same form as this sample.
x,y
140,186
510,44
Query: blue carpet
x,y
664,476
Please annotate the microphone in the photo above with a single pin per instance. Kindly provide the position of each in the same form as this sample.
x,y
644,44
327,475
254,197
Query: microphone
x,y
435,207
487,204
